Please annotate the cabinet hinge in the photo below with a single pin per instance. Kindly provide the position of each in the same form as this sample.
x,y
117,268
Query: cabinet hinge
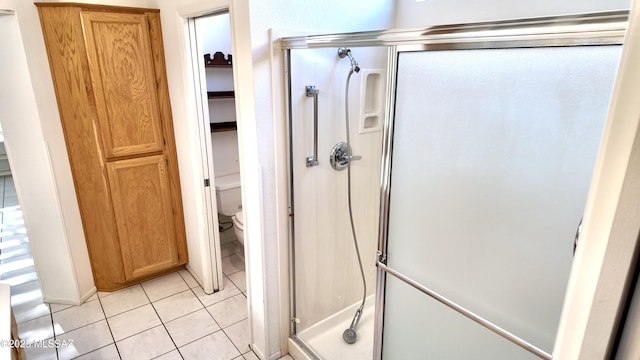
x,y
207,183
164,142
148,24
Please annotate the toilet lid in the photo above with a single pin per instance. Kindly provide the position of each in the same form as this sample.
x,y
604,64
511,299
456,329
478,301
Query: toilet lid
x,y
239,219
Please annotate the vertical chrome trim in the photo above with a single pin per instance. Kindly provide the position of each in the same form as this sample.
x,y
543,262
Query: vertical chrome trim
x,y
387,149
292,245
385,178
378,324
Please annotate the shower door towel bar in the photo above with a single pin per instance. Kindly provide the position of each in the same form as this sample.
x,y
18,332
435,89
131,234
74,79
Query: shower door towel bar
x,y
311,91
467,313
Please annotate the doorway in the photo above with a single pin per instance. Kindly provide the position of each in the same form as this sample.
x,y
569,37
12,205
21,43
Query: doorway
x,y
213,67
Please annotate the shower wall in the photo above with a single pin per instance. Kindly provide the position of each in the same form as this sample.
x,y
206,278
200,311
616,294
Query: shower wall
x,y
327,277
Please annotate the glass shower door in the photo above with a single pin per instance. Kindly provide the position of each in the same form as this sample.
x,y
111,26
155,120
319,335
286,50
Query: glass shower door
x,y
492,156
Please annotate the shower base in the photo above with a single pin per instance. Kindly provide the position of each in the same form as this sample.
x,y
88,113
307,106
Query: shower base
x,y
325,337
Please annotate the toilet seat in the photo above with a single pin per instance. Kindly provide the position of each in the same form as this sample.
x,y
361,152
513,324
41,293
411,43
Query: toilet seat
x,y
237,220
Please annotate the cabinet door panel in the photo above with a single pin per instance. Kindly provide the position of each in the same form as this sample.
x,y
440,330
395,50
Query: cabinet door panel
x,y
142,205
122,73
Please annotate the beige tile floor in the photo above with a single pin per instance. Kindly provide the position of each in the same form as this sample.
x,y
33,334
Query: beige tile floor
x,y
166,318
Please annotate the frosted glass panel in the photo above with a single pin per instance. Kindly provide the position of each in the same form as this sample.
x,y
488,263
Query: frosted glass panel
x,y
493,153
425,329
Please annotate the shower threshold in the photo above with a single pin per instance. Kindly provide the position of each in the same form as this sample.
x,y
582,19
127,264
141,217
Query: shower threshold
x,y
325,337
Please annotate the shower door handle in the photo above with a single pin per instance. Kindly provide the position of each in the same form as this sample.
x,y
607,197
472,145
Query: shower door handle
x,y
311,91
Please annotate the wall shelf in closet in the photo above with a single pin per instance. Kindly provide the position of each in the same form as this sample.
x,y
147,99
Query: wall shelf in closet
x,y
223,126
221,94
218,60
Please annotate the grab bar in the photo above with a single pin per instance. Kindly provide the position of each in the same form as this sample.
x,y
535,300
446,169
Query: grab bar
x,y
311,91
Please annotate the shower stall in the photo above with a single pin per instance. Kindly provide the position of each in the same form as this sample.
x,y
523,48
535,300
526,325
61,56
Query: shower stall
x,y
471,154
328,283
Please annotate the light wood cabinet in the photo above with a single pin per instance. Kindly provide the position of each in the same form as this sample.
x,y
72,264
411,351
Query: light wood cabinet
x,y
108,69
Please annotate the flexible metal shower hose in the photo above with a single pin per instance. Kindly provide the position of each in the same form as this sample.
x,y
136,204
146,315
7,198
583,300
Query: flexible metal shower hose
x,y
353,228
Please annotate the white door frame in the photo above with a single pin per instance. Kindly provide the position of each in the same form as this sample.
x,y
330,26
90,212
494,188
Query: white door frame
x,y
212,266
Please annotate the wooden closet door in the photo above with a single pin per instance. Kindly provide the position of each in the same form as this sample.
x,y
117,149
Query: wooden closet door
x,y
108,70
144,214
122,73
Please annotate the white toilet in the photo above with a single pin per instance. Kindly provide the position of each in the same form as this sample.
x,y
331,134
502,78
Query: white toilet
x,y
229,200
238,229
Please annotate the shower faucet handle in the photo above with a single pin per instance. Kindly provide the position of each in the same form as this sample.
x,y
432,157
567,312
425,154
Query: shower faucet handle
x,y
340,156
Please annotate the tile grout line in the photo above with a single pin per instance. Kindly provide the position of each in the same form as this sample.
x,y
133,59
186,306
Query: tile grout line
x,y
150,303
83,326
208,313
109,327
161,321
211,316
53,329
232,343
204,306
214,320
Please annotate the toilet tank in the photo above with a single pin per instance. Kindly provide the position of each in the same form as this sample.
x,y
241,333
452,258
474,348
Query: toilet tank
x,y
228,196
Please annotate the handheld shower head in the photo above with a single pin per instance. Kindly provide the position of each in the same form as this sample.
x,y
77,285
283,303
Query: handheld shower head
x,y
349,335
344,52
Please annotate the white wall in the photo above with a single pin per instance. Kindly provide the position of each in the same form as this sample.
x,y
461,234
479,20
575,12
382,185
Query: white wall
x,y
215,34
413,13
225,152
